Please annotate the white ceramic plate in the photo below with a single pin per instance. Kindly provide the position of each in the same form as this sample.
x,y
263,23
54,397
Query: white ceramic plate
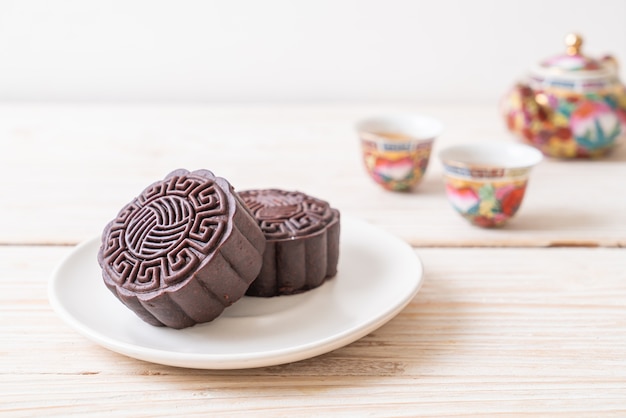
x,y
378,276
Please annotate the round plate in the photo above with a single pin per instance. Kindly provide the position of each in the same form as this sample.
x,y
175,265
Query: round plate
x,y
378,276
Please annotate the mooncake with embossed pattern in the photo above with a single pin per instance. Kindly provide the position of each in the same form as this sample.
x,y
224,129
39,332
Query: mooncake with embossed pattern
x,y
182,251
302,241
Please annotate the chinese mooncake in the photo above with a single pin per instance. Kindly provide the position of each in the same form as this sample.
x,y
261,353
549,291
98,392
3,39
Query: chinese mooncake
x,y
182,251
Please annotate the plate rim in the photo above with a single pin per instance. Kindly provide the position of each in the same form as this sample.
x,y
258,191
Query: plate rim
x,y
212,361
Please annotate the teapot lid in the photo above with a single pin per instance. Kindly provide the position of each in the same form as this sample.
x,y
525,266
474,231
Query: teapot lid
x,y
573,65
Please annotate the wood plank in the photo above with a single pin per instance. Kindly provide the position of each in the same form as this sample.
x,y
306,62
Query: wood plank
x,y
68,169
519,332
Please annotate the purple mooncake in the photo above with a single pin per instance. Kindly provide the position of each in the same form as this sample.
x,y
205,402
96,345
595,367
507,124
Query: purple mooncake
x,y
302,241
182,251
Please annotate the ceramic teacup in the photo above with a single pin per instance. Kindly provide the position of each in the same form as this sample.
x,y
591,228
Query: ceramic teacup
x,y
396,149
486,182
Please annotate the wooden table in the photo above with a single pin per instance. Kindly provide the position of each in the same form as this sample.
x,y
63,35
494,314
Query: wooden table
x,y
529,319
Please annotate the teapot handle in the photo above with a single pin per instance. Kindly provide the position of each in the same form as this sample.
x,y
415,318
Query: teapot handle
x,y
610,61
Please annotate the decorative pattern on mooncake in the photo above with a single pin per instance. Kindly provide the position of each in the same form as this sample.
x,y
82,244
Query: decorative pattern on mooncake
x,y
182,251
302,248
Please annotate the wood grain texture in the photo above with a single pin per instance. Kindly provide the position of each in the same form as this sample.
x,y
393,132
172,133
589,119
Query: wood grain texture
x,y
522,330
68,169
515,332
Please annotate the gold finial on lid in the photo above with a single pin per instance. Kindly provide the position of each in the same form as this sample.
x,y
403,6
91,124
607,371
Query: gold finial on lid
x,y
573,41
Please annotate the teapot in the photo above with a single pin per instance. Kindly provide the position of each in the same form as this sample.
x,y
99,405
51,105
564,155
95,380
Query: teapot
x,y
569,105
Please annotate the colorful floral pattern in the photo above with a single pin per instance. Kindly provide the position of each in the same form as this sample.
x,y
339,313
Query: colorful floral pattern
x,y
396,170
486,204
594,125
567,125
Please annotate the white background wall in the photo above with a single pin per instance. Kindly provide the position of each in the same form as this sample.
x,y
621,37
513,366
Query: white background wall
x,y
289,50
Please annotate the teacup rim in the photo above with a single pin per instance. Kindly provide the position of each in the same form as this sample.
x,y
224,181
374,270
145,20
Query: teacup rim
x,y
451,155
430,127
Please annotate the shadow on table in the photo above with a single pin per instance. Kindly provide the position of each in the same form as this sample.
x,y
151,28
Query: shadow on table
x,y
617,155
556,219
431,185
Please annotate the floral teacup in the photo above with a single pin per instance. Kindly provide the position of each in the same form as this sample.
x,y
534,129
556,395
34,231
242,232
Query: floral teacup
x,y
396,150
486,182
